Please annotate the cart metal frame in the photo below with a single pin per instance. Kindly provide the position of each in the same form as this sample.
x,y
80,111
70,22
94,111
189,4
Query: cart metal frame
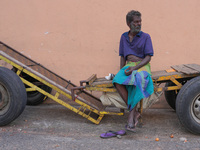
x,y
92,109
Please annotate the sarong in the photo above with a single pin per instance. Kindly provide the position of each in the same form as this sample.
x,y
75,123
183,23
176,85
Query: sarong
x,y
139,84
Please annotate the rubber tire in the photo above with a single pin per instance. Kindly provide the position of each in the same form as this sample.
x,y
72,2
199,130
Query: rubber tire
x,y
16,94
35,97
170,96
189,91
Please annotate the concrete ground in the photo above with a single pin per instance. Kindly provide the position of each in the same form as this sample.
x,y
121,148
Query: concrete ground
x,y
52,126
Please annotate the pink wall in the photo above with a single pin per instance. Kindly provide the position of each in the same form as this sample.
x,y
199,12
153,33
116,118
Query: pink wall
x,y
77,38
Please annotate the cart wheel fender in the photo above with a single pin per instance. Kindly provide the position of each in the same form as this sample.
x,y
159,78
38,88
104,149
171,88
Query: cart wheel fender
x,y
188,105
13,96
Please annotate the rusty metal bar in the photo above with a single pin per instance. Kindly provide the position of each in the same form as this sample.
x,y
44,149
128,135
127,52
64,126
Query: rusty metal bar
x,y
75,88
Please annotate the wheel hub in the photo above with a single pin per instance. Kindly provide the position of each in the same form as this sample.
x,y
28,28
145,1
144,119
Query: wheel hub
x,y
196,107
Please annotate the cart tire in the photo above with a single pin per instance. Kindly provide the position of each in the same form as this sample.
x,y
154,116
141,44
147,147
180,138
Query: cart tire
x,y
13,96
35,97
170,96
188,105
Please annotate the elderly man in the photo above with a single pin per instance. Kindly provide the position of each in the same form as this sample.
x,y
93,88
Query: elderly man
x,y
133,82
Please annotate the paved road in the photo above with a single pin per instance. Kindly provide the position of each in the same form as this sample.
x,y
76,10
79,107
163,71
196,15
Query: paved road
x,y
51,126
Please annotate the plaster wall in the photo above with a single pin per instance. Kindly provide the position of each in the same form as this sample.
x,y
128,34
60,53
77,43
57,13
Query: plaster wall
x,y
77,38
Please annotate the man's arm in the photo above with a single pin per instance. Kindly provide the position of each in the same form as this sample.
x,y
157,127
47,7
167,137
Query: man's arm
x,y
122,62
145,61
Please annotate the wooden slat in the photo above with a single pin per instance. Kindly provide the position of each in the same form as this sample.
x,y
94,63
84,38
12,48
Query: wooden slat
x,y
170,70
91,79
184,69
194,66
158,74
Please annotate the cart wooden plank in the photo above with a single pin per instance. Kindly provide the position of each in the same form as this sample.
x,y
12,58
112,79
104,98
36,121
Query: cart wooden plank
x,y
102,82
185,69
194,66
157,74
181,71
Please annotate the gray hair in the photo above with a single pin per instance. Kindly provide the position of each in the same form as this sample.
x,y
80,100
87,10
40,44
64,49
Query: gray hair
x,y
130,14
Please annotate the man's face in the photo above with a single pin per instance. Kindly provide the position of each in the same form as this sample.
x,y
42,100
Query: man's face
x,y
135,25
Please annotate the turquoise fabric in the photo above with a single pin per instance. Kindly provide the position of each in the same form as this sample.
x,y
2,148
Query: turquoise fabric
x,y
139,84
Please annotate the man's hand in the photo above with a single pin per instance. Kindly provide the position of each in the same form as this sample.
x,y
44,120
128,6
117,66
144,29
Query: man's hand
x,y
146,60
129,70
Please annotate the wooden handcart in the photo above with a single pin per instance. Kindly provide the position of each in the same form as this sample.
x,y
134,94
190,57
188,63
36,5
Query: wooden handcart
x,y
28,82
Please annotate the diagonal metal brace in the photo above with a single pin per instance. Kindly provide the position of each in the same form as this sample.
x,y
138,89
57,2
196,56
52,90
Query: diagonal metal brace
x,y
175,82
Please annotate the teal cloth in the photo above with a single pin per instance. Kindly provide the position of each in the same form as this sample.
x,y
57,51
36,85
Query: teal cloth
x,y
139,84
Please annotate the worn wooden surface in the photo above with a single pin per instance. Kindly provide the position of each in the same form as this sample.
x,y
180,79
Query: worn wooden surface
x,y
177,71
187,69
194,66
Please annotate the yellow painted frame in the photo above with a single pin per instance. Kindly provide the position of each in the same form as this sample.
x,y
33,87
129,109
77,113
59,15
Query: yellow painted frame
x,y
83,106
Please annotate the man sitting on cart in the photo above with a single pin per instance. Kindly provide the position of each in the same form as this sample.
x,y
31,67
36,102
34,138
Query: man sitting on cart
x,y
133,82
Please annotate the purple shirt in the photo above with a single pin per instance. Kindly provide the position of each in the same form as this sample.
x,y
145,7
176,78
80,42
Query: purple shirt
x,y
141,45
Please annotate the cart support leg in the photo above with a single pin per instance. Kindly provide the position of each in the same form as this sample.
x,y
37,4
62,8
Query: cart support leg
x,y
140,111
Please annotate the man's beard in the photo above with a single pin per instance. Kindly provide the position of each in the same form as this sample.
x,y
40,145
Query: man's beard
x,y
135,29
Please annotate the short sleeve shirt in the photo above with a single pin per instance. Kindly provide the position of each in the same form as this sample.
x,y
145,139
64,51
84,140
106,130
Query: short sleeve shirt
x,y
141,45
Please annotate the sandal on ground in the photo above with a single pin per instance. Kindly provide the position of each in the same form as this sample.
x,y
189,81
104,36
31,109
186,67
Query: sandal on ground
x,y
110,134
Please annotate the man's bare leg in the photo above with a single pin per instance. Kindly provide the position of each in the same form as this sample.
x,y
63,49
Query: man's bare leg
x,y
132,118
121,89
136,117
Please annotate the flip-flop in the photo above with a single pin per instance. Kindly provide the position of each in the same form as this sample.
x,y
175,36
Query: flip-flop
x,y
129,128
110,134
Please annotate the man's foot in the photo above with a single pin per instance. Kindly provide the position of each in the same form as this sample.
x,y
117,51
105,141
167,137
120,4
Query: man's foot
x,y
137,116
130,127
